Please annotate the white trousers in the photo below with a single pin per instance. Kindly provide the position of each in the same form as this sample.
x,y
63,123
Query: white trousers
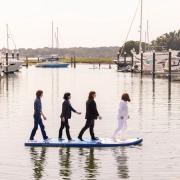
x,y
122,125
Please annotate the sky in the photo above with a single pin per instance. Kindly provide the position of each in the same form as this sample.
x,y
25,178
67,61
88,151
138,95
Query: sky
x,y
84,23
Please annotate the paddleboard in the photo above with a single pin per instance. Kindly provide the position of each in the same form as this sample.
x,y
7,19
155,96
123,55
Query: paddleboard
x,y
102,142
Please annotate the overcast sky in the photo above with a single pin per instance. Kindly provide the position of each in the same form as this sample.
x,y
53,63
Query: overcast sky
x,y
85,23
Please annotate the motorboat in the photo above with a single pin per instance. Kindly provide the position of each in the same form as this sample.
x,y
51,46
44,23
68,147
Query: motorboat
x,y
52,64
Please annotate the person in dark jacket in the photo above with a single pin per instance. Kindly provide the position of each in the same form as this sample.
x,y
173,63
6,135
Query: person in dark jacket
x,y
91,115
65,115
37,116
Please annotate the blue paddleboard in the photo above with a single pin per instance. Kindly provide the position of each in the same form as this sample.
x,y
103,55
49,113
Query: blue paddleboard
x,y
102,142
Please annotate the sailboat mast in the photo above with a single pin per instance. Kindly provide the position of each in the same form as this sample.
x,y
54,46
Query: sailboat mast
x,y
7,40
140,41
148,34
52,35
57,38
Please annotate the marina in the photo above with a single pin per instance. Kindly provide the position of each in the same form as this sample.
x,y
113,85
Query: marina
x,y
154,115
89,90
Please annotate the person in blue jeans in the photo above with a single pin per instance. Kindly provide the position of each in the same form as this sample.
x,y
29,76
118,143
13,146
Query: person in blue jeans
x,y
37,116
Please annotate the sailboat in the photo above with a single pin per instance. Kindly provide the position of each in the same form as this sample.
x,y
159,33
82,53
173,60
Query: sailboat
x,y
13,64
126,65
147,55
52,61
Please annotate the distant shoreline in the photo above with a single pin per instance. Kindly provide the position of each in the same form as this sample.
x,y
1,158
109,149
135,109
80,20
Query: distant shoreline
x,y
77,60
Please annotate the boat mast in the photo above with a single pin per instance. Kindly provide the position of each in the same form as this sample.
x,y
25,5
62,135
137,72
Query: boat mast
x,y
140,45
52,35
57,38
148,34
7,40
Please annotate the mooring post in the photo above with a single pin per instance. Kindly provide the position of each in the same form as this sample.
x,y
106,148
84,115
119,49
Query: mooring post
x,y
125,57
74,62
153,70
141,62
99,65
7,62
71,62
132,58
118,61
27,61
169,73
17,55
12,54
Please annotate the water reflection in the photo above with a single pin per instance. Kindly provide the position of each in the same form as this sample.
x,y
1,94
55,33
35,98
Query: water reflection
x,y
141,102
38,158
169,91
65,163
6,80
91,163
121,160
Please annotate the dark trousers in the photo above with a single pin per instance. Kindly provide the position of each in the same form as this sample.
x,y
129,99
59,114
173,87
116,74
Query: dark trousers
x,y
89,124
66,125
38,121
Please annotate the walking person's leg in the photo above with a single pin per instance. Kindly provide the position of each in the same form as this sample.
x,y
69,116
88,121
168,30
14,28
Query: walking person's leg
x,y
61,129
66,123
42,129
118,129
87,125
34,129
91,129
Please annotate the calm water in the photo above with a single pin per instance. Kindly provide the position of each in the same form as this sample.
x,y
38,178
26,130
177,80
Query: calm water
x,y
154,115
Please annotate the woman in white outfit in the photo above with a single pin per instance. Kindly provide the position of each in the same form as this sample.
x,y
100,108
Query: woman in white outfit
x,y
122,115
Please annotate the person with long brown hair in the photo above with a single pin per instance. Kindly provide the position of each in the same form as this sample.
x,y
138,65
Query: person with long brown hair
x,y
91,115
122,114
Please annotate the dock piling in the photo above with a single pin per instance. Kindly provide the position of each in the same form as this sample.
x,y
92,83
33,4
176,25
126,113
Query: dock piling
x,y
118,61
27,63
7,62
125,57
169,73
74,62
153,70
17,55
141,62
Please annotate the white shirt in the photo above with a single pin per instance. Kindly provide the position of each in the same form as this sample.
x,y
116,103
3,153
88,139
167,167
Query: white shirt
x,y
123,110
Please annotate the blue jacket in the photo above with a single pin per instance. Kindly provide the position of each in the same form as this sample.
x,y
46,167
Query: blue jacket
x,y
37,106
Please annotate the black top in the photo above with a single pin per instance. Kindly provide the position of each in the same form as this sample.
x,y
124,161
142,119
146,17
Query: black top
x,y
66,110
37,106
91,110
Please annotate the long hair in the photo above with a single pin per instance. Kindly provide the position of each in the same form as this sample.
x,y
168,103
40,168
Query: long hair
x,y
66,96
91,93
39,93
125,97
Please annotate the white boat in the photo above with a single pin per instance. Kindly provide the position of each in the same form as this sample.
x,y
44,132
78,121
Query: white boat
x,y
13,66
175,65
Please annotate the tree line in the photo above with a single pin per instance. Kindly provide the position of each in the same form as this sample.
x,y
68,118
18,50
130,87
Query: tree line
x,y
166,41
